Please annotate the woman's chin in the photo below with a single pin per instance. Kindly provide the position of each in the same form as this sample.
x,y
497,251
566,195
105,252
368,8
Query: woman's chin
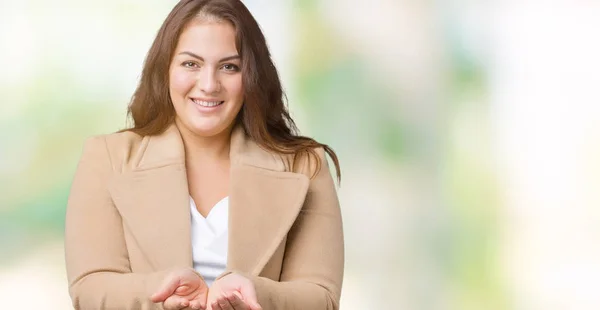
x,y
204,126
208,130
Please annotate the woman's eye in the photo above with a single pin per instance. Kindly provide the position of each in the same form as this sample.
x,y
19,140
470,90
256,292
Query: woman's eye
x,y
189,64
231,67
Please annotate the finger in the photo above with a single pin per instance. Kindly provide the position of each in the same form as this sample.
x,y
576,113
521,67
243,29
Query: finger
x,y
198,304
236,302
249,294
166,289
175,302
254,306
215,306
224,303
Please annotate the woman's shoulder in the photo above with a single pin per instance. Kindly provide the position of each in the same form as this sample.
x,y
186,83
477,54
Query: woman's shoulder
x,y
309,162
115,141
116,147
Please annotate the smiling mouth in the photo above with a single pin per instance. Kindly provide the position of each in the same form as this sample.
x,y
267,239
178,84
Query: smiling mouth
x,y
207,104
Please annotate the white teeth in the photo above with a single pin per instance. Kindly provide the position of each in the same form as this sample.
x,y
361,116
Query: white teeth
x,y
207,103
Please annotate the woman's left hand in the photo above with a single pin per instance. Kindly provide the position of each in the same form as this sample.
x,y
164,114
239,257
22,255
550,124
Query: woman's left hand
x,y
232,292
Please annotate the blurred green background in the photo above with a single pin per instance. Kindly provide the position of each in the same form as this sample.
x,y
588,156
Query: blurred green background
x,y
468,132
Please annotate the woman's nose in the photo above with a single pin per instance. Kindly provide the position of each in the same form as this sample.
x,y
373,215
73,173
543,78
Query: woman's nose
x,y
208,81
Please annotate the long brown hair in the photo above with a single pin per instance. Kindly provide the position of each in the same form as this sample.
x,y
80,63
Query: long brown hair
x,y
264,114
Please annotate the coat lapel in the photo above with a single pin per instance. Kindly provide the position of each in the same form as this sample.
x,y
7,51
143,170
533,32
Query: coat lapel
x,y
263,206
153,199
264,203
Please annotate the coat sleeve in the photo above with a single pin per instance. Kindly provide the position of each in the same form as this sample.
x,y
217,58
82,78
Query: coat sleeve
x,y
312,270
96,255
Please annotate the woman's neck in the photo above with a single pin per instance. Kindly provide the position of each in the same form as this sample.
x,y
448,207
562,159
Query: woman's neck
x,y
199,149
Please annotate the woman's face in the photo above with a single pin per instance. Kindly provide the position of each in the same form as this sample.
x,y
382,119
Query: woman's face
x,y
205,78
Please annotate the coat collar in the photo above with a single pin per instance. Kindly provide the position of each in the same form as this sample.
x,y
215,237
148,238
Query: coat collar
x,y
167,149
153,200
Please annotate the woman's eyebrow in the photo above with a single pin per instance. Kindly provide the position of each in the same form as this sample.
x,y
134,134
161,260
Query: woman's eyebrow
x,y
202,59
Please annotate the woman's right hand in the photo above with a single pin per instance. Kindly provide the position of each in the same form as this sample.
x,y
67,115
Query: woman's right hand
x,y
182,288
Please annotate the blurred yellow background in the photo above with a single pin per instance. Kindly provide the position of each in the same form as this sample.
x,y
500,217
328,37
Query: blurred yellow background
x,y
468,132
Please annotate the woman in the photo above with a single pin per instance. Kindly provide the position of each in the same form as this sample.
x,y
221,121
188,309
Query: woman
x,y
210,200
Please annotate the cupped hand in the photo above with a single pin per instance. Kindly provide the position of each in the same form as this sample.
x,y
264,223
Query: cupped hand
x,y
233,292
182,288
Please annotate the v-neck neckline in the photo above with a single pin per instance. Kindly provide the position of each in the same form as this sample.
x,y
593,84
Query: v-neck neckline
x,y
195,208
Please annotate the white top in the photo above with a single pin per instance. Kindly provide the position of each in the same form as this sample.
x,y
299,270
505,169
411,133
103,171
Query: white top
x,y
209,240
